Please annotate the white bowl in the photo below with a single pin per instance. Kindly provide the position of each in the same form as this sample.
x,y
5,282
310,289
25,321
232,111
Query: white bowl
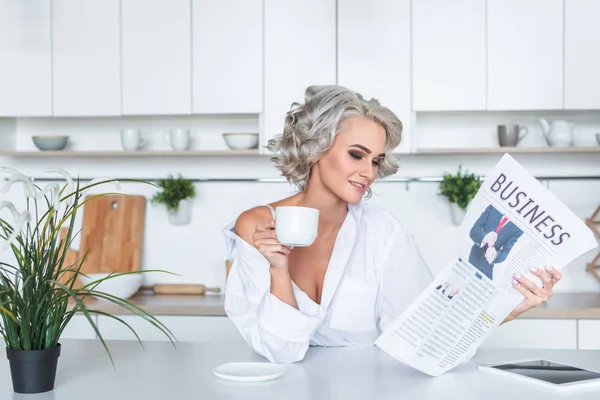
x,y
50,142
241,141
123,286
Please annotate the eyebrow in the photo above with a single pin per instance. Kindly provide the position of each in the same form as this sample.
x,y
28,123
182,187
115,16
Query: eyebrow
x,y
366,149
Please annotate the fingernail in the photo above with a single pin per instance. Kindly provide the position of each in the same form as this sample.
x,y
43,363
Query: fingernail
x,y
533,269
548,268
517,275
515,282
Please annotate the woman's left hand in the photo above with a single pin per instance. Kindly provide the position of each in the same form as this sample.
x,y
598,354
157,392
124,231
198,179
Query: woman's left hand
x,y
534,295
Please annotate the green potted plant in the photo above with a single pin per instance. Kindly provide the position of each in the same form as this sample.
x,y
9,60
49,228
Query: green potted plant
x,y
38,295
176,195
459,189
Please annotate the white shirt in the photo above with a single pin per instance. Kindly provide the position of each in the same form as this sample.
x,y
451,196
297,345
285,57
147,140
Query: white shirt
x,y
374,273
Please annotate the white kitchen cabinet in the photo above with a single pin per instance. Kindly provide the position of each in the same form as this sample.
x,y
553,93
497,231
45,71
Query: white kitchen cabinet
x,y
374,54
449,55
525,54
300,50
227,56
156,57
582,60
533,334
79,328
25,58
589,334
184,328
86,54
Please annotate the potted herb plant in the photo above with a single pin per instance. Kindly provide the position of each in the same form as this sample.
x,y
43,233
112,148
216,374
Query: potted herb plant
x,y
459,189
38,295
176,195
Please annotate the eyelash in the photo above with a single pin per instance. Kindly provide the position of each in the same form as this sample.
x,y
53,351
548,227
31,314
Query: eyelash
x,y
358,156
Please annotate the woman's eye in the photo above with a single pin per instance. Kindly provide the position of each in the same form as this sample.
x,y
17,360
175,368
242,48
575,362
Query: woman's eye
x,y
356,156
376,162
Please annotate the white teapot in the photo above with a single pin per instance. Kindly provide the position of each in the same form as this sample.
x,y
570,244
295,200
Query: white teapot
x,y
558,133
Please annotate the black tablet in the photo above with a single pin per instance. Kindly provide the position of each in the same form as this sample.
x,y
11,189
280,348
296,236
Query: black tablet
x,y
547,373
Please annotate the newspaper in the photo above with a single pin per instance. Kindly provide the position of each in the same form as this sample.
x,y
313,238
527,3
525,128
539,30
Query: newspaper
x,y
474,293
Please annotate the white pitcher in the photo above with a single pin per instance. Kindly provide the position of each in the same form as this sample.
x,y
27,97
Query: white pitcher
x,y
558,133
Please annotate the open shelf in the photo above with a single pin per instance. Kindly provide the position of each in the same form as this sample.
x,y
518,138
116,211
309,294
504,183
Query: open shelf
x,y
119,153
484,150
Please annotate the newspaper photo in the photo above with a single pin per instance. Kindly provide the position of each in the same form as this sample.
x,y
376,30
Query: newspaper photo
x,y
513,224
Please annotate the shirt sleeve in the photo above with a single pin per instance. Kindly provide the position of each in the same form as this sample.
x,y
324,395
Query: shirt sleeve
x,y
273,328
405,274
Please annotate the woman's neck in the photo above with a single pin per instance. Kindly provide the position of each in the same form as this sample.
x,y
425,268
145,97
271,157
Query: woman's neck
x,y
332,209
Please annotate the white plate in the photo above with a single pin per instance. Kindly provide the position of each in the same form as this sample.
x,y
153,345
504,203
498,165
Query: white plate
x,y
249,371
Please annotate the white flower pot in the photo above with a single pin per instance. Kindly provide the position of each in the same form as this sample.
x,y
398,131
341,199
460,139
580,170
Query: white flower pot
x,y
183,215
457,213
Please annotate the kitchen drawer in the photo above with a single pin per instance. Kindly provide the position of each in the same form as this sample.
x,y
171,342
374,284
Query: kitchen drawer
x,y
534,334
185,328
78,328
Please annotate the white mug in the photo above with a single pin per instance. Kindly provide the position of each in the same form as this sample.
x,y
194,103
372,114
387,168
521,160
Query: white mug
x,y
296,226
132,139
178,139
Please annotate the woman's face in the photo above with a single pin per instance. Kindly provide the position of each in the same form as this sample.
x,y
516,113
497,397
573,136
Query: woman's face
x,y
349,168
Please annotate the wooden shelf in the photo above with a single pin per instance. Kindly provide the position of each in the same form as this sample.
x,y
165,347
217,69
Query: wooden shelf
x,y
118,153
486,150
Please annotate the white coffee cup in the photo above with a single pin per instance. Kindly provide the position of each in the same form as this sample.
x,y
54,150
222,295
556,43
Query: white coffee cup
x,y
132,139
178,139
296,226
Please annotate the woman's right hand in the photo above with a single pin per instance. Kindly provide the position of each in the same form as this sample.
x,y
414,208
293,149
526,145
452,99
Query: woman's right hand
x,y
267,244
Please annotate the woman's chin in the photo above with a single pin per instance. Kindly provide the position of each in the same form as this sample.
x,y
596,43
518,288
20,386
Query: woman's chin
x,y
353,198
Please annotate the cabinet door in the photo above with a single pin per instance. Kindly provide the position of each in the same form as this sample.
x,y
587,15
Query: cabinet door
x,y
227,56
582,64
300,43
25,58
589,334
374,54
525,54
156,51
86,53
533,334
449,55
185,328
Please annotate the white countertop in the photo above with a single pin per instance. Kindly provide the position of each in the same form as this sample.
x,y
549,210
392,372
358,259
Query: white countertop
x,y
163,372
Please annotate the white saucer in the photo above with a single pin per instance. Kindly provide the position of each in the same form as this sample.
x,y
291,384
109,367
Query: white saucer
x,y
249,371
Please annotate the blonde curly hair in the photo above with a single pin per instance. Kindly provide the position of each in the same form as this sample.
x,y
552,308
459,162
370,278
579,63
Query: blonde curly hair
x,y
310,128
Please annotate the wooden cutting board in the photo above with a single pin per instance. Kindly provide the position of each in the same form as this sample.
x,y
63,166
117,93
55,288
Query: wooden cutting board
x,y
70,261
113,231
182,288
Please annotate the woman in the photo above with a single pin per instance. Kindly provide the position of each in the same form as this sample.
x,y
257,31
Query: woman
x,y
363,269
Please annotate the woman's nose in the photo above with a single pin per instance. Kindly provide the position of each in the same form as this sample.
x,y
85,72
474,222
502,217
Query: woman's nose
x,y
368,173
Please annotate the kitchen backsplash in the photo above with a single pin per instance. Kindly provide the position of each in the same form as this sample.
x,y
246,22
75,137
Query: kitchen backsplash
x,y
196,251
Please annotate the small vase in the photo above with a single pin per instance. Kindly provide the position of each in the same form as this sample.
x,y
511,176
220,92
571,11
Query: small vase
x,y
457,213
183,215
33,371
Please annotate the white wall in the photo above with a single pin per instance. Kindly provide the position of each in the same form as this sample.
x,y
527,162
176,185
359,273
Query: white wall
x,y
196,251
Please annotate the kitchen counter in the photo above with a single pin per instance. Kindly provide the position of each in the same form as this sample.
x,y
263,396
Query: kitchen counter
x,y
210,304
568,306
560,306
161,371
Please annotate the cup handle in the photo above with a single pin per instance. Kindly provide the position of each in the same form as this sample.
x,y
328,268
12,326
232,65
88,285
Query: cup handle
x,y
166,137
143,142
524,132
